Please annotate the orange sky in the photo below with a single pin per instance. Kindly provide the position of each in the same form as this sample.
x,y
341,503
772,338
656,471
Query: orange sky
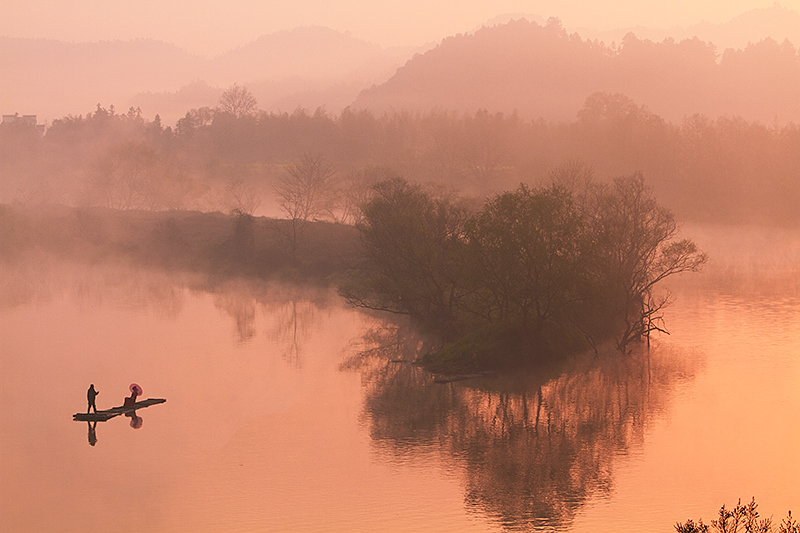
x,y
210,28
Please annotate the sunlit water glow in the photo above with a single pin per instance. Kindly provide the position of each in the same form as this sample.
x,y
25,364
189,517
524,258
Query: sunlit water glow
x,y
279,418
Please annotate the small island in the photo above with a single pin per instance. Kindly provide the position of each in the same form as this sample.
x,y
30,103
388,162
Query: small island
x,y
535,275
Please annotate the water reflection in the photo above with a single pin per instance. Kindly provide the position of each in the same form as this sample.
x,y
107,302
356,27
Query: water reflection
x,y
533,448
136,422
92,432
242,308
292,311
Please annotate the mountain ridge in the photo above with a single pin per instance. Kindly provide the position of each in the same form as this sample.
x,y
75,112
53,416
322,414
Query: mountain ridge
x,y
309,67
54,78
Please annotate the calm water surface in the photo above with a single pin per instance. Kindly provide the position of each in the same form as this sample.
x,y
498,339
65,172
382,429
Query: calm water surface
x,y
287,411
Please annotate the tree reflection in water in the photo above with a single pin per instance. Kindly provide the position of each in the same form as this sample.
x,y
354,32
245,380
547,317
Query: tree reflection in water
x,y
242,309
294,311
533,447
289,312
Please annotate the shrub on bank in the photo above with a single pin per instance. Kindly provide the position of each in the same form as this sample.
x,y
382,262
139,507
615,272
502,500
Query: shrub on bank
x,y
742,518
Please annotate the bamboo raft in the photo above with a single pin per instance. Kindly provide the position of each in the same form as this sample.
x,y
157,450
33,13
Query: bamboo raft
x,y
102,416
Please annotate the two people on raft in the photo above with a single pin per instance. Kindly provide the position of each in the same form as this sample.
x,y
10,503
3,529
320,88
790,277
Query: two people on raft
x,y
130,401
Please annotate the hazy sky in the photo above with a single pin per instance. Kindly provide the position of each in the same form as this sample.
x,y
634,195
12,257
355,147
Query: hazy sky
x,y
211,27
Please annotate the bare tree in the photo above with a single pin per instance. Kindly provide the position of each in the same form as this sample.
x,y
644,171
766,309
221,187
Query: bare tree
x,y
242,196
307,191
638,247
238,101
133,175
125,177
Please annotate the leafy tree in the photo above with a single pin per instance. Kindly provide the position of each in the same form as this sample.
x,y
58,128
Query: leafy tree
x,y
194,120
527,244
414,256
356,189
485,146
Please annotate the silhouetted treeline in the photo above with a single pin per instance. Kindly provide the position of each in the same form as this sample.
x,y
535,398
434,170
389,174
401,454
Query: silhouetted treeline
x,y
534,274
720,170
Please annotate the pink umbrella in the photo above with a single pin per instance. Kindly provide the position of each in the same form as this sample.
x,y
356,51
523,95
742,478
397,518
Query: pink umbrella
x,y
136,388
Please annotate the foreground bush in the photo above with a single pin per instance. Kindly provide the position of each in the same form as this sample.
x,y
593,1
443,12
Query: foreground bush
x,y
742,518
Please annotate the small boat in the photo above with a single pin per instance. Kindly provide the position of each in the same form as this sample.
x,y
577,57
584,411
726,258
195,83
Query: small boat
x,y
101,416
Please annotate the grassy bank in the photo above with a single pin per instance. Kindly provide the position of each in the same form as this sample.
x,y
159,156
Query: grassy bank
x,y
212,243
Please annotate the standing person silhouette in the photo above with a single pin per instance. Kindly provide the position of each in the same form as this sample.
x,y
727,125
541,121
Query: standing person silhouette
x,y
91,394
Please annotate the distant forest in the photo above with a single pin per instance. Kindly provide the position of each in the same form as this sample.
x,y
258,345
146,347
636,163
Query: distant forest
x,y
725,170
715,134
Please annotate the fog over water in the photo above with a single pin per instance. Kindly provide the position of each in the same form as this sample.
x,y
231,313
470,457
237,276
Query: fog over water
x,y
474,267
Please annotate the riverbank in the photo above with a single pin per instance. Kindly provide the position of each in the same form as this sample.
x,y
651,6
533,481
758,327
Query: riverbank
x,y
216,244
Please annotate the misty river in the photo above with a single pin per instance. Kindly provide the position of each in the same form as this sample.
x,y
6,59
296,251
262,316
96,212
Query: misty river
x,y
288,411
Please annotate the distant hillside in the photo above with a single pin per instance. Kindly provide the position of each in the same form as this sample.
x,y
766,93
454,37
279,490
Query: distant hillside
x,y
52,78
777,22
314,53
542,71
307,67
